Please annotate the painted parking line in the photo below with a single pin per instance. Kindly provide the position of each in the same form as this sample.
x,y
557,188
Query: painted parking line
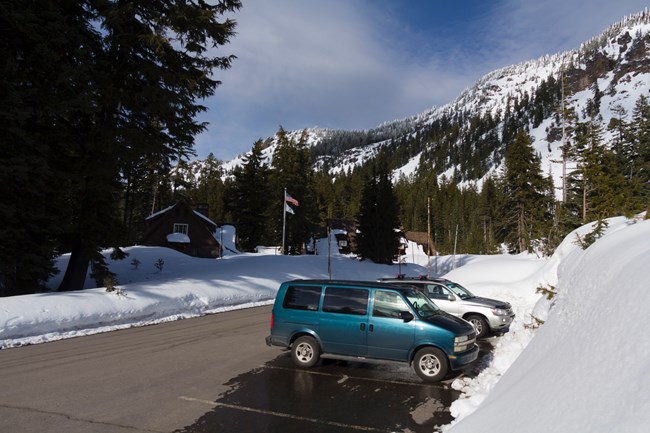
x,y
369,379
281,414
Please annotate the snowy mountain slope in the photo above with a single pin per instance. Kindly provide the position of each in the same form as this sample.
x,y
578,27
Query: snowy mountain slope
x,y
617,61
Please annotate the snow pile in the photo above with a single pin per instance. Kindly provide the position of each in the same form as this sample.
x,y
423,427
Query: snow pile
x,y
161,284
586,368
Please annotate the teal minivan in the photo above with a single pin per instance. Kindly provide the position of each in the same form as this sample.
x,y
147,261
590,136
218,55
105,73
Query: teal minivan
x,y
369,321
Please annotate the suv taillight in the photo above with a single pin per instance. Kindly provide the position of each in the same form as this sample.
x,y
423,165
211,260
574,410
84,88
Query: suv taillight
x,y
272,319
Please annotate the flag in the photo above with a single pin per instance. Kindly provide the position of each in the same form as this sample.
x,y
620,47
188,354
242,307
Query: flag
x,y
287,208
290,199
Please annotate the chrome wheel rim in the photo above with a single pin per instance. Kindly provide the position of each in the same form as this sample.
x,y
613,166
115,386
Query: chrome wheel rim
x,y
477,325
429,365
304,352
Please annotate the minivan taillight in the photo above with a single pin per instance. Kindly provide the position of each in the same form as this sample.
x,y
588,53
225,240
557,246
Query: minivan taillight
x,y
272,320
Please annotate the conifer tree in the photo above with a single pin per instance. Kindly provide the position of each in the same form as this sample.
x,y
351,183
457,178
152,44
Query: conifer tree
x,y
147,188
291,169
44,79
251,200
637,156
604,194
526,210
91,90
209,188
489,202
378,216
152,67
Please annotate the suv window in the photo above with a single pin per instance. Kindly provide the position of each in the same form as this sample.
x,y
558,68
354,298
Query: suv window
x,y
436,291
346,301
302,298
388,304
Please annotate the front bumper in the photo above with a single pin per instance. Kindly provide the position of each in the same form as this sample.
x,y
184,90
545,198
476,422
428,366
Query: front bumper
x,y
499,323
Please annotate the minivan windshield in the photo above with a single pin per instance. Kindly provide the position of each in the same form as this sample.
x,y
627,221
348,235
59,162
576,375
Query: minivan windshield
x,y
460,291
421,304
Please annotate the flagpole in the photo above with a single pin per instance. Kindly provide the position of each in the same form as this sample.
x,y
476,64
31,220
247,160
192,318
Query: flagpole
x,y
284,217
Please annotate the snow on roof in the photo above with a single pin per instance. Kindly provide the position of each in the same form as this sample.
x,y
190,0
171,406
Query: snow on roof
x,y
199,214
160,212
179,238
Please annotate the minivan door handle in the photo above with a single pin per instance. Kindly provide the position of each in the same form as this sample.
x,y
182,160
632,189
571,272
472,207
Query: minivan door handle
x,y
371,328
363,326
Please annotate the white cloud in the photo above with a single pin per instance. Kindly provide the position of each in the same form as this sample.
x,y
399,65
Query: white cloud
x,y
354,65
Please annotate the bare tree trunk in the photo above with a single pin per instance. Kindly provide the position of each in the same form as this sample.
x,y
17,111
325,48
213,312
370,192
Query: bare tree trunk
x,y
75,273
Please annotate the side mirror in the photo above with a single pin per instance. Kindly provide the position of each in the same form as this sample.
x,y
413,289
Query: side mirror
x,y
406,316
451,298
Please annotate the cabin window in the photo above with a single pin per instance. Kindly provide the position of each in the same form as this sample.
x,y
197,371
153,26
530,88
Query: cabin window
x,y
180,228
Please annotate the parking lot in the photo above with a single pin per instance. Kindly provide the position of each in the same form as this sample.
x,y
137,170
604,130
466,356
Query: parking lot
x,y
334,396
209,374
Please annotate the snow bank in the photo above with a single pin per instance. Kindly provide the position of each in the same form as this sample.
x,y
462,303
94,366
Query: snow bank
x,y
161,284
586,370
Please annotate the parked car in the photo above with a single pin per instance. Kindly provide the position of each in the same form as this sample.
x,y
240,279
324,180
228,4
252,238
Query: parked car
x,y
487,315
369,321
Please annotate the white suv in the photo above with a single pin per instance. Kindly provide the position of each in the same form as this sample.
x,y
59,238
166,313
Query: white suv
x,y
487,315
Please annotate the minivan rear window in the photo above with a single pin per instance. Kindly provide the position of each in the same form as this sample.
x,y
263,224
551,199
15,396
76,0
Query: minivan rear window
x,y
302,298
346,301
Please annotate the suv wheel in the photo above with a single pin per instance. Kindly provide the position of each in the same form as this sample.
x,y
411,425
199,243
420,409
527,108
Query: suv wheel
x,y
430,364
305,351
480,324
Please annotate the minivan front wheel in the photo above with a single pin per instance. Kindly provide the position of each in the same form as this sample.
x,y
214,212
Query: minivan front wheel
x,y
430,364
305,351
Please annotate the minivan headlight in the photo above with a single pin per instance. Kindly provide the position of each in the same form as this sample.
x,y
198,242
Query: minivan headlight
x,y
462,343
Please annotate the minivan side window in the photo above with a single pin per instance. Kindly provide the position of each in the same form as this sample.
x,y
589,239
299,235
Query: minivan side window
x,y
345,301
302,298
388,304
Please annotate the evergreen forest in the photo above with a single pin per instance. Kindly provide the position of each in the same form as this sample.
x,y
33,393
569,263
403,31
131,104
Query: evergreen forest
x,y
515,209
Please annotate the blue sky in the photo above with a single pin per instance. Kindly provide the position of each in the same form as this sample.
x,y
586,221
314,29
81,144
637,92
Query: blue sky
x,y
354,64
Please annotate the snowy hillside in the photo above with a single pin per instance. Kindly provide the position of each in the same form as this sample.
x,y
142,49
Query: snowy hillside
x,y
618,61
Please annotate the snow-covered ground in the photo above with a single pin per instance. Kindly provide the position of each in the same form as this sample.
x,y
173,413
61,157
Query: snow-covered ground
x,y
584,370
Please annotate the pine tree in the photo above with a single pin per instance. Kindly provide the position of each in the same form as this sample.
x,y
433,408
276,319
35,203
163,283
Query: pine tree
x,y
603,183
378,216
597,186
250,200
490,201
209,188
291,169
526,210
637,156
151,67
46,50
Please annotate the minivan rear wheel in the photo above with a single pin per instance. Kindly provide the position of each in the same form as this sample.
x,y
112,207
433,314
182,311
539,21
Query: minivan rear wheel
x,y
305,351
430,364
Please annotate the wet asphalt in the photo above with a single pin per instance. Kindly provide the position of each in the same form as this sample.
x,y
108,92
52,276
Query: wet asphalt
x,y
333,397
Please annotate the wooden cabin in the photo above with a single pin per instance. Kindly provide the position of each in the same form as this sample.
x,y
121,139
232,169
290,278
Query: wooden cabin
x,y
422,239
183,229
